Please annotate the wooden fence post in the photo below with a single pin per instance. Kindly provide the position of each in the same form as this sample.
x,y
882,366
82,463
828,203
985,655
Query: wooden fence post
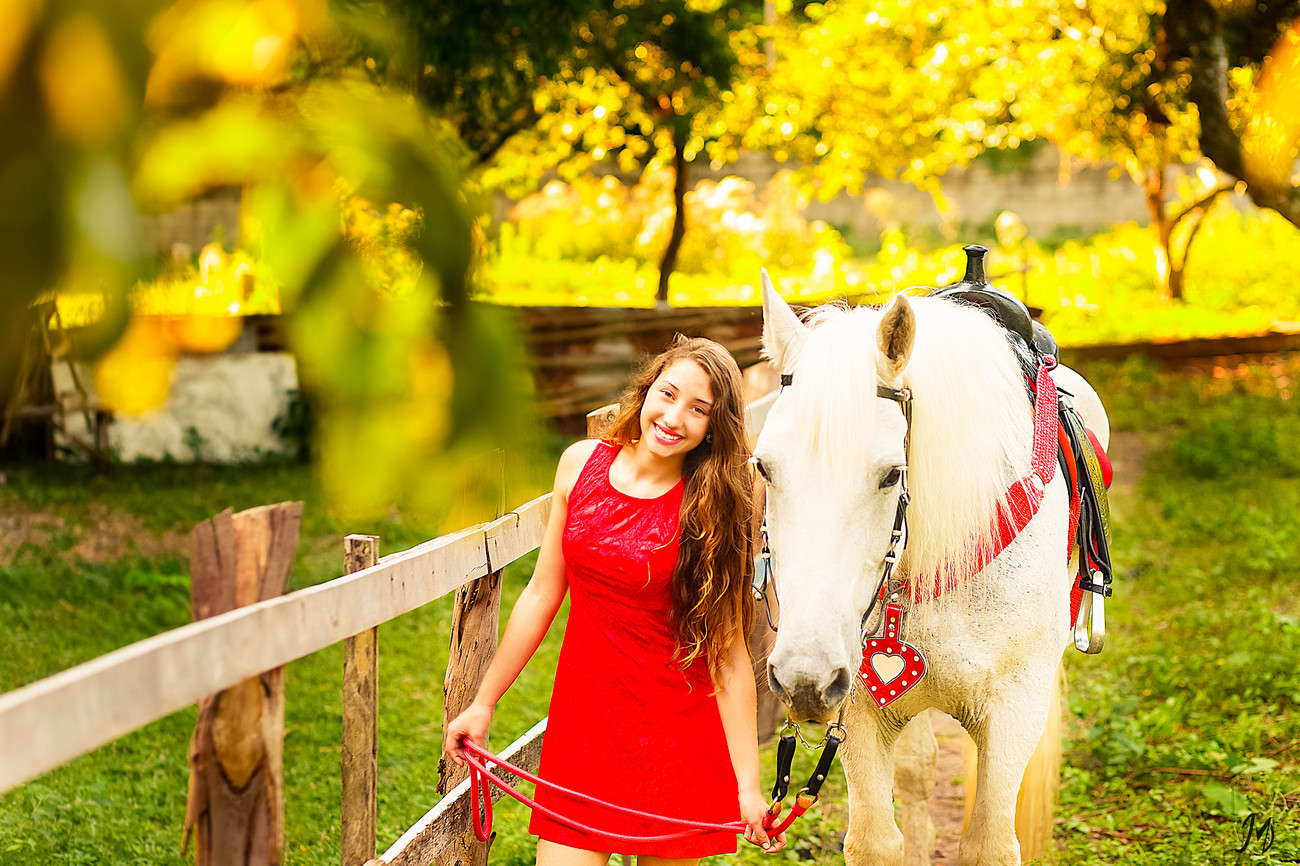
x,y
360,721
474,620
235,807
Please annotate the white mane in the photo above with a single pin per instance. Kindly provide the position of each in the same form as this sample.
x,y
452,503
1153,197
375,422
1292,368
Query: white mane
x,y
971,432
835,397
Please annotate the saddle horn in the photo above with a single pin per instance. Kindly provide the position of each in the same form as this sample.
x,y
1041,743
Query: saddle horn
x,y
1010,311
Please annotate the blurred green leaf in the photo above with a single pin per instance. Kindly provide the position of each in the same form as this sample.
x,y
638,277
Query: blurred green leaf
x,y
1225,800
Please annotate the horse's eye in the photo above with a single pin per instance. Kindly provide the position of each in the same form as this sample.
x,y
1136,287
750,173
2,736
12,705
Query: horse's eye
x,y
891,477
758,464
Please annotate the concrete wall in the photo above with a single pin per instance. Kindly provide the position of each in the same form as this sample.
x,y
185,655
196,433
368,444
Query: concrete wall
x,y
1086,197
1045,198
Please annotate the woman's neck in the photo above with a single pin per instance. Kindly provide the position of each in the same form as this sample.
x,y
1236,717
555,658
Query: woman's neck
x,y
641,470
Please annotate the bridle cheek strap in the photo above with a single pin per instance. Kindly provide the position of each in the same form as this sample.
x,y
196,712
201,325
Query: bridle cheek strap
x,y
1023,497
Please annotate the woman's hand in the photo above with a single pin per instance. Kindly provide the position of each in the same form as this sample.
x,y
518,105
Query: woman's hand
x,y
753,809
472,725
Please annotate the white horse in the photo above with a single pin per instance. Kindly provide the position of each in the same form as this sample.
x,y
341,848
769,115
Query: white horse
x,y
831,451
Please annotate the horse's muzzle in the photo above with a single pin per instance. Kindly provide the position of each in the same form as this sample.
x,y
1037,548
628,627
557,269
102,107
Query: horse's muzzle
x,y
809,700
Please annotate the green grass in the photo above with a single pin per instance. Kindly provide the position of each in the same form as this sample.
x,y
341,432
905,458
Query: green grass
x,y
1190,720
1185,724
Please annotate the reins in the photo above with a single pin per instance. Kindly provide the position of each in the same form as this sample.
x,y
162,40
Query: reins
x,y
807,796
1056,428
481,761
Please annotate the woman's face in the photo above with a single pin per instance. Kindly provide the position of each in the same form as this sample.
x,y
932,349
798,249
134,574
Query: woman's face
x,y
675,414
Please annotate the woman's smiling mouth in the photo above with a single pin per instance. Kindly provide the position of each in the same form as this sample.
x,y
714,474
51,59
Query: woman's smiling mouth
x,y
668,435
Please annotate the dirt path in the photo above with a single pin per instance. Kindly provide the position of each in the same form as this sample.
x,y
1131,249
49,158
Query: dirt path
x,y
947,801
99,536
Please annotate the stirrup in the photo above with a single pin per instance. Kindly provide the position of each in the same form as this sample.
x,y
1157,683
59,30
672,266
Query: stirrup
x,y
1090,624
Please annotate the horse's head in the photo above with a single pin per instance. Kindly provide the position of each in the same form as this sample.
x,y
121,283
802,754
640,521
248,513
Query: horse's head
x,y
832,453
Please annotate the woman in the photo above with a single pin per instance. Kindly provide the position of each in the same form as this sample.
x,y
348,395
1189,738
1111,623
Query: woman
x,y
654,702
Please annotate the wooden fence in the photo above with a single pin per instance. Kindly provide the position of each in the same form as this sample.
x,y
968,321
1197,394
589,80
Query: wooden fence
x,y
52,721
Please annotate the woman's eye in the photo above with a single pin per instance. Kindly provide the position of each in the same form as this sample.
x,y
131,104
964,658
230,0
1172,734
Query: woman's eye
x,y
891,477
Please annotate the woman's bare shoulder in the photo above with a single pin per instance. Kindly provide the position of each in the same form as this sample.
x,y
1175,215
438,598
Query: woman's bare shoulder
x,y
571,462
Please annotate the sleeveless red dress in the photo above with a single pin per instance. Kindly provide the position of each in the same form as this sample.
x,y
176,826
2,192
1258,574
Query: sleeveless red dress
x,y
626,724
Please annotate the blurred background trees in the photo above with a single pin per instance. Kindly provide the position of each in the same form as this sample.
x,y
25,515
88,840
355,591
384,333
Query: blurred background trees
x,y
368,135
574,82
114,110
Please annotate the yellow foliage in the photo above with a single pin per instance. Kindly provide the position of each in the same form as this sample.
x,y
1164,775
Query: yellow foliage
x,y
427,413
135,375
357,471
1272,140
726,222
205,334
228,41
255,48
82,83
16,19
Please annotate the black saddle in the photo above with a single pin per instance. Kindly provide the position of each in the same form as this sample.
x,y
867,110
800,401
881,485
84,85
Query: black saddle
x,y
1007,309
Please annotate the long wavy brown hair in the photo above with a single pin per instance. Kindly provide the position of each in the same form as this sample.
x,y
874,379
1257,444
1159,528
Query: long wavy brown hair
x,y
712,604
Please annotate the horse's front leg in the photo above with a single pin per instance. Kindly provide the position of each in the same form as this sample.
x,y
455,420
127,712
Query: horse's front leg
x,y
873,838
1005,736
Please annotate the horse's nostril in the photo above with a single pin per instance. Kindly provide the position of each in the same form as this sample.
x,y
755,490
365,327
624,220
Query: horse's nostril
x,y
775,685
838,689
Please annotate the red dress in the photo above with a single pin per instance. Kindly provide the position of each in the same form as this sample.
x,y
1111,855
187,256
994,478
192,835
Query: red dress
x,y
626,724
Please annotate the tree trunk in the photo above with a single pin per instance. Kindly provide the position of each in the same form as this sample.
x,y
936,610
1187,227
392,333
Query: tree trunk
x,y
681,183
1195,31
1169,277
1175,281
235,806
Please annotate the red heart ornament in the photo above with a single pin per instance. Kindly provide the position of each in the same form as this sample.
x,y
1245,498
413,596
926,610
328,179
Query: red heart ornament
x,y
890,668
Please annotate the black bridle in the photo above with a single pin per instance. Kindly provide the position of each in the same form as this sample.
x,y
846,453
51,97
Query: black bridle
x,y
887,585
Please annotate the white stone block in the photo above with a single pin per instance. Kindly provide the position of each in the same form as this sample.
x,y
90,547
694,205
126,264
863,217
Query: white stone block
x,y
220,408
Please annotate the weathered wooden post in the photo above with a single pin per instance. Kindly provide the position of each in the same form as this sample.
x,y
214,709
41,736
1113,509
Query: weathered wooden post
x,y
360,722
474,619
235,807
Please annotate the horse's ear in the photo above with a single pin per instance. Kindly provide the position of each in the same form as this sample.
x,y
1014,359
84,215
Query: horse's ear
x,y
783,333
896,336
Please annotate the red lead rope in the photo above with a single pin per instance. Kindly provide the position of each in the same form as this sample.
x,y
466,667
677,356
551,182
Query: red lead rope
x,y
480,776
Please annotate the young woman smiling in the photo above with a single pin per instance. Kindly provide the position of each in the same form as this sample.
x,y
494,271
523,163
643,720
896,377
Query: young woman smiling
x,y
654,704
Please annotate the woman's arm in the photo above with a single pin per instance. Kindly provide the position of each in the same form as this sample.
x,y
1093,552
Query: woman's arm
x,y
738,705
532,614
